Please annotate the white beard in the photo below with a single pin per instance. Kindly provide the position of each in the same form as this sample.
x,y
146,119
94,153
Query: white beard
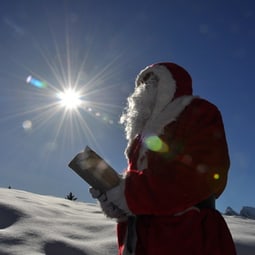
x,y
148,100
139,109
151,107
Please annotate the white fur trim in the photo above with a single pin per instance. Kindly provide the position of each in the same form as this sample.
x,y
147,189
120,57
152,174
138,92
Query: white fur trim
x,y
155,125
116,196
166,86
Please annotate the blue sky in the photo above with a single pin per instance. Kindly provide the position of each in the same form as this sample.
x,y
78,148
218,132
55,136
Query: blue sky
x,y
98,47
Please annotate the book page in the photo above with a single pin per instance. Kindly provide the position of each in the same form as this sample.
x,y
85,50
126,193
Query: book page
x,y
94,170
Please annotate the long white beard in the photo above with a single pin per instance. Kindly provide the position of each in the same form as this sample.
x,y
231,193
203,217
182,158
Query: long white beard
x,y
139,108
151,107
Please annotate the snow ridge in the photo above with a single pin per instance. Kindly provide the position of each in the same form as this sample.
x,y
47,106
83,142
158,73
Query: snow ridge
x,y
33,224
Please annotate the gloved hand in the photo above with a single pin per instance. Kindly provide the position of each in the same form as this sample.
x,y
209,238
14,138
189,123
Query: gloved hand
x,y
117,196
110,210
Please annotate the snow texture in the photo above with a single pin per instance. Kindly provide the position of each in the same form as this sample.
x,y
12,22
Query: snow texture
x,y
33,224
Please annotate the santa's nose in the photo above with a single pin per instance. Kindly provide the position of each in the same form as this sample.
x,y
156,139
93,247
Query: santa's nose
x,y
149,77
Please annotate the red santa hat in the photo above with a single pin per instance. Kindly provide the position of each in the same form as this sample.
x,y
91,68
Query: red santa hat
x,y
182,79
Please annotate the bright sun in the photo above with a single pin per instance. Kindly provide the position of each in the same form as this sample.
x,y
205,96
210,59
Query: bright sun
x,y
70,99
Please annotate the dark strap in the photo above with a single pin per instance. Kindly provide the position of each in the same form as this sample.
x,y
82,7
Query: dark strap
x,y
207,203
131,233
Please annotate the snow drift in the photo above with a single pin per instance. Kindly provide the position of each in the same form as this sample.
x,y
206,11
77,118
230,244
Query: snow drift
x,y
35,224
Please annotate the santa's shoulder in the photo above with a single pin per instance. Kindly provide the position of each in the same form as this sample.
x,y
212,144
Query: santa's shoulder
x,y
202,105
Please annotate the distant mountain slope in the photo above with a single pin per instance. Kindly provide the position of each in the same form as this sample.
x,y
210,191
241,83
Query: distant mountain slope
x,y
246,212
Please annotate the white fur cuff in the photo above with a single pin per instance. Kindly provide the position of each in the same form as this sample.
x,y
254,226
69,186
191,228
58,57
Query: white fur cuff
x,y
116,195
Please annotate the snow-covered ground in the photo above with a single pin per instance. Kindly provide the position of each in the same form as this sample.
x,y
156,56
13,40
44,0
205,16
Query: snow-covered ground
x,y
35,224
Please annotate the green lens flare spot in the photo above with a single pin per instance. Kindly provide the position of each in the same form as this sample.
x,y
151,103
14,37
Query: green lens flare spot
x,y
216,176
154,143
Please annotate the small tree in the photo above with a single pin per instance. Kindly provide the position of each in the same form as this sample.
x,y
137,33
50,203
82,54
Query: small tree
x,y
71,197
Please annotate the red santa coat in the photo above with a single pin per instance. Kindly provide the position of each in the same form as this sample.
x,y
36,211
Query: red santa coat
x,y
192,168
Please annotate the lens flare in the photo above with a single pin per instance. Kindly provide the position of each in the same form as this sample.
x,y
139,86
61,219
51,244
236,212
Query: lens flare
x,y
69,98
70,92
216,176
154,143
35,82
27,124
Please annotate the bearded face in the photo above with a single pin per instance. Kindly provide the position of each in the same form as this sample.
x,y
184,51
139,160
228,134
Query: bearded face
x,y
155,102
140,106
155,89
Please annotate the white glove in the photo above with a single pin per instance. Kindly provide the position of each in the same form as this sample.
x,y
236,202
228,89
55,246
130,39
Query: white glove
x,y
110,210
116,195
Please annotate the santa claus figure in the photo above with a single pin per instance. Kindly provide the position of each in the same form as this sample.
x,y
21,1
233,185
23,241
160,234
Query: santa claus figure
x,y
177,166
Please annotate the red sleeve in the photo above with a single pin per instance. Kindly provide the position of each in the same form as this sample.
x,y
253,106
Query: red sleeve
x,y
194,167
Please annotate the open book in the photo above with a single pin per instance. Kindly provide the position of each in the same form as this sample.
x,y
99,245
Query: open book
x,y
94,170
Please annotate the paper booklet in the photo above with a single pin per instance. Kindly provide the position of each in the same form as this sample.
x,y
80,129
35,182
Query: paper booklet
x,y
94,170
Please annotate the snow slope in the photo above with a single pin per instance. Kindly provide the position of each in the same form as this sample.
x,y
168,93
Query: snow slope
x,y
35,224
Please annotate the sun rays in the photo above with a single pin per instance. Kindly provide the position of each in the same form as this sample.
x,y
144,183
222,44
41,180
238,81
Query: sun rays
x,y
70,99
68,89
75,95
